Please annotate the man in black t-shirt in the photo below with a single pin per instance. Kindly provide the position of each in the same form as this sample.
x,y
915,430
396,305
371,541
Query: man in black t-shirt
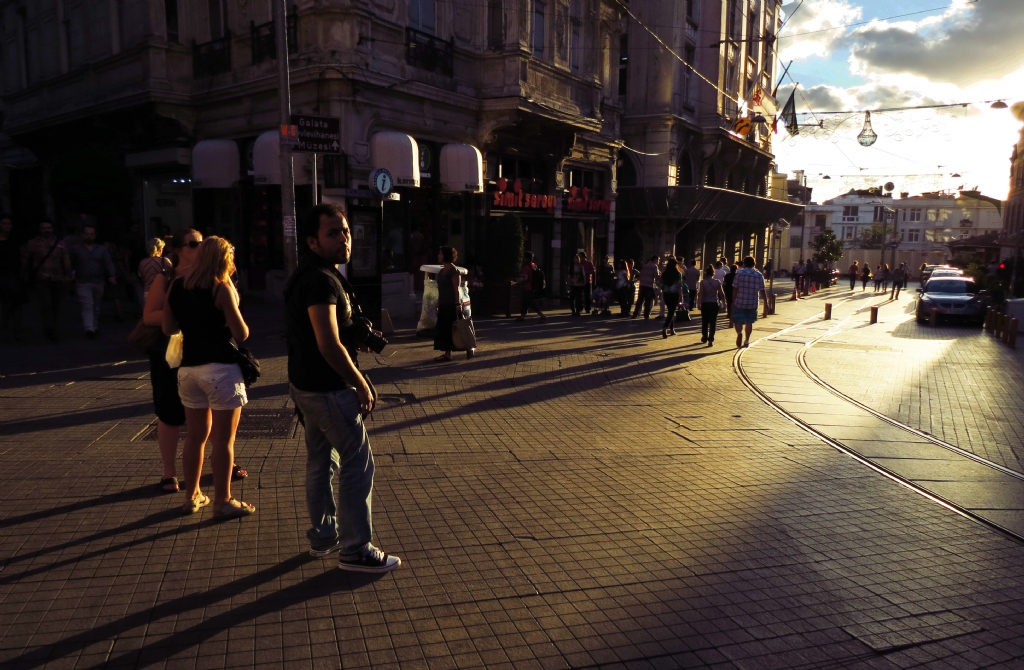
x,y
331,395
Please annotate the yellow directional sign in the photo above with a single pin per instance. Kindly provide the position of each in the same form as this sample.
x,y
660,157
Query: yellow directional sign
x,y
743,126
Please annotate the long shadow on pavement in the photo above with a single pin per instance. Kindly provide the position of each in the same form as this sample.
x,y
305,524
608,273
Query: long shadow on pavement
x,y
315,587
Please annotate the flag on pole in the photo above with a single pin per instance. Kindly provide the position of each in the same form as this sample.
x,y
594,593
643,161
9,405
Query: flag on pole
x,y
788,116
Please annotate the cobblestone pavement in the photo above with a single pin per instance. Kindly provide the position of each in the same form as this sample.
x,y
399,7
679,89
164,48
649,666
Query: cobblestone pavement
x,y
581,494
953,381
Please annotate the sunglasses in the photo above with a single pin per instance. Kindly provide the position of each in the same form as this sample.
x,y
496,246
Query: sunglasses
x,y
193,244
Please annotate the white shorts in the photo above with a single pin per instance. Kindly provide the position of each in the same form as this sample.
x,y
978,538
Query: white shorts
x,y
216,386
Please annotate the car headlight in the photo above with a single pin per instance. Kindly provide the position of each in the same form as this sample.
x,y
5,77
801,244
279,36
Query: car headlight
x,y
925,298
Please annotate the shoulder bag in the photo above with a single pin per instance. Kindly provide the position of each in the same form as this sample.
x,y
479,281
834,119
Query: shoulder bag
x,y
463,333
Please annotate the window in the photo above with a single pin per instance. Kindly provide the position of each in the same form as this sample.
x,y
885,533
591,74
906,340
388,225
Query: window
x,y
796,241
495,24
592,180
851,213
423,15
691,9
849,232
576,36
878,215
915,215
913,235
688,79
171,19
335,171
218,19
819,220
537,35
623,62
752,46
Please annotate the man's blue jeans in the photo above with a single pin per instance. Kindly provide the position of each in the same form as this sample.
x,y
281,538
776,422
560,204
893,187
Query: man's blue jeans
x,y
336,441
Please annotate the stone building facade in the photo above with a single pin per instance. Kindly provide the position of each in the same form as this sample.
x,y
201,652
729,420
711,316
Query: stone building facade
x,y
112,108
693,178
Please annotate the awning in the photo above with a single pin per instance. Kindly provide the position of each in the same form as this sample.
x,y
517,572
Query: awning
x,y
462,168
266,161
701,203
215,164
398,154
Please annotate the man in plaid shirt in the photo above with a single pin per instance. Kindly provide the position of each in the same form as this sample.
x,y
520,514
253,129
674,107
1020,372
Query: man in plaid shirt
x,y
747,287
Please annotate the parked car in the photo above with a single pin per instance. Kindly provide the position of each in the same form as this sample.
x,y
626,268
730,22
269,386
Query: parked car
x,y
930,269
953,297
946,272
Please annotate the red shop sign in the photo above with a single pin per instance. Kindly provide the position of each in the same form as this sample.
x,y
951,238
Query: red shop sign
x,y
516,197
579,201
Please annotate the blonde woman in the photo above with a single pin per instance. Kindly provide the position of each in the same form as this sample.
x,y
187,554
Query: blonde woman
x,y
203,307
153,266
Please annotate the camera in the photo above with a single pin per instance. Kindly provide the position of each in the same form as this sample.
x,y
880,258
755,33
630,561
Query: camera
x,y
362,332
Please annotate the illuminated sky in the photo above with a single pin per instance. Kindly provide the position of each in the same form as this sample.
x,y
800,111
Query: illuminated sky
x,y
959,51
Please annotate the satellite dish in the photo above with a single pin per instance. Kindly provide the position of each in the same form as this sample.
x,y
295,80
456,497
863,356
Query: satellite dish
x,y
889,186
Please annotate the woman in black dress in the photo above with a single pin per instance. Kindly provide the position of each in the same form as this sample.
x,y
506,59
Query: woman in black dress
x,y
448,281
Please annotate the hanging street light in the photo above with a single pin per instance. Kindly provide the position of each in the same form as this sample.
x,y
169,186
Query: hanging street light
x,y
867,136
998,104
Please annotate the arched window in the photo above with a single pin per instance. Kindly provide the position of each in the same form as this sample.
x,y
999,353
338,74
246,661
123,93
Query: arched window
x,y
625,171
684,176
761,188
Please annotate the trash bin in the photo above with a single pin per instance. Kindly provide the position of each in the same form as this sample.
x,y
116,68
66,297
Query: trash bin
x,y
428,315
1015,310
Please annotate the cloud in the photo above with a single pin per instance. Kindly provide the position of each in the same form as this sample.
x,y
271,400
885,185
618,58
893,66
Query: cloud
x,y
815,18
821,98
970,42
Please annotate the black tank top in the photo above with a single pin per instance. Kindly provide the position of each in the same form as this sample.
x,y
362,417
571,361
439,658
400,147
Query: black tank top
x,y
446,294
207,338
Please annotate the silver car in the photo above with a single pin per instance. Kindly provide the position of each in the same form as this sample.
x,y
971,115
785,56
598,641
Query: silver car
x,y
953,297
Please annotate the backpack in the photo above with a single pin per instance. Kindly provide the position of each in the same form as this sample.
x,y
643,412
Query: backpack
x,y
538,281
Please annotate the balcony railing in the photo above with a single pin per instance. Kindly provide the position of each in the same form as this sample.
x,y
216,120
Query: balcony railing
x,y
427,52
264,39
212,58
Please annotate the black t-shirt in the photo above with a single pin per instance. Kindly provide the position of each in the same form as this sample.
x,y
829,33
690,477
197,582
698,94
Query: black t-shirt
x,y
315,283
206,337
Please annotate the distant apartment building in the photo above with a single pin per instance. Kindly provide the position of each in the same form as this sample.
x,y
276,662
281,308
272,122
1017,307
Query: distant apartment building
x,y
1013,215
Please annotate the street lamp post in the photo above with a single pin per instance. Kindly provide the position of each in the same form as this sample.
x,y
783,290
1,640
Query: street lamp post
x,y
287,168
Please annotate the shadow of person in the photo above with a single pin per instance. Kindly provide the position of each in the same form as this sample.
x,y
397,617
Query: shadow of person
x,y
138,493
330,581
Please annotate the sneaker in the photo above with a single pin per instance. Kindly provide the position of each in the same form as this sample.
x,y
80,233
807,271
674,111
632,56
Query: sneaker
x,y
371,559
326,551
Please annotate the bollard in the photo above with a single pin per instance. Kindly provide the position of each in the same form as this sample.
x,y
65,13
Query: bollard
x,y
997,325
1012,339
828,311
988,320
874,314
1004,334
933,319
795,296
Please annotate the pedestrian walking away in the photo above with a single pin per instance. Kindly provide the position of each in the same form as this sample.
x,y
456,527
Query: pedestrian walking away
x,y
710,297
12,286
721,269
47,268
692,279
672,286
648,278
203,307
727,284
886,277
604,288
865,276
747,288
854,271
899,278
449,281
878,277
93,269
532,279
577,280
801,275
325,331
588,282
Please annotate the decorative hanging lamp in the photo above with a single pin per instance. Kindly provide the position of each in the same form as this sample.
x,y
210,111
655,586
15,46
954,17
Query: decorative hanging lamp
x,y
867,136
998,104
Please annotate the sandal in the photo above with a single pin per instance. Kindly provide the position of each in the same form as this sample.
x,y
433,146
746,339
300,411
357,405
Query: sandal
x,y
233,509
196,504
238,473
168,481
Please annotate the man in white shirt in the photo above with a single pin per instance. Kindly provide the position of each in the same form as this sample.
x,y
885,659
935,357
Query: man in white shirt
x,y
720,271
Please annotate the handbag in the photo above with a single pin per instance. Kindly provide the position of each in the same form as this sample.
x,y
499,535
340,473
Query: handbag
x,y
463,333
248,364
146,338
174,351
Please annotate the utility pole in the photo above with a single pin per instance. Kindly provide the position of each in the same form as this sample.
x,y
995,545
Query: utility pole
x,y
287,170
